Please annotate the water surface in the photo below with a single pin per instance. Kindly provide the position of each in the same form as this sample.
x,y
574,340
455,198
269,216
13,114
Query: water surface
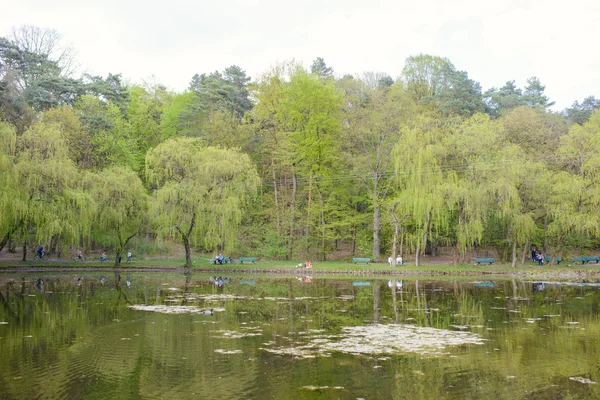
x,y
83,336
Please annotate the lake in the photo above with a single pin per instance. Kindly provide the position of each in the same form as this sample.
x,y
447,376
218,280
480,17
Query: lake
x,y
110,335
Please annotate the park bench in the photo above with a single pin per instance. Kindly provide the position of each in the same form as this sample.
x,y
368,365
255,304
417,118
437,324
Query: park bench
x,y
484,260
585,260
248,259
548,259
226,260
357,260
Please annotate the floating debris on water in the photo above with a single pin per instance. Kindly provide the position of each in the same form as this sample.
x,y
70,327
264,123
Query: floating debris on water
x,y
222,351
580,379
322,387
174,309
236,335
382,340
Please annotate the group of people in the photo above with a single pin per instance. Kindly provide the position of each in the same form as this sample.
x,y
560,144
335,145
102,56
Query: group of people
x,y
41,253
399,260
537,257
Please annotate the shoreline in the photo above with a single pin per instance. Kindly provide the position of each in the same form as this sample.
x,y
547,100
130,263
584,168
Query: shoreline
x,y
518,273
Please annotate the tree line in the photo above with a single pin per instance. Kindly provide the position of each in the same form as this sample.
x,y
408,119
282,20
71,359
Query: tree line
x,y
297,163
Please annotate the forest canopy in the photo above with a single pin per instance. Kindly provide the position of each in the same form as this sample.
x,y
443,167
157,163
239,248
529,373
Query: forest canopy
x,y
295,163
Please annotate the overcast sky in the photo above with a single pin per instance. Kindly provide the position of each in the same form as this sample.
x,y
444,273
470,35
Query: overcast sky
x,y
494,41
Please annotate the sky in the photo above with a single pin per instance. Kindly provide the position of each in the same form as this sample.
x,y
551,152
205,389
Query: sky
x,y
494,41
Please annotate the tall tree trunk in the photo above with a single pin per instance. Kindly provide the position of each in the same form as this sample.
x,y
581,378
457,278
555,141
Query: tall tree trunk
x,y
455,257
188,252
417,254
525,252
276,196
185,237
25,250
376,231
292,216
4,241
396,230
323,230
118,252
308,216
514,253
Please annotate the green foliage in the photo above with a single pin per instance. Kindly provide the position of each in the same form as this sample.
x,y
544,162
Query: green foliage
x,y
200,192
120,205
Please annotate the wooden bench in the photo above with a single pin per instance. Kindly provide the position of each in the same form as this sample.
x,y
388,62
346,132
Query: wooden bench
x,y
585,260
484,260
357,260
226,260
548,259
248,259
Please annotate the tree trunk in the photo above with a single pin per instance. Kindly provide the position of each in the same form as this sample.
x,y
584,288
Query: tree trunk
x,y
396,230
292,216
308,209
25,250
402,244
118,252
188,252
417,253
4,241
275,194
376,231
525,252
323,230
514,253
455,257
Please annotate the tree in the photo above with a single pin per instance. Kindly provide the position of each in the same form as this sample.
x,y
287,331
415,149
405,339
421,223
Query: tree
x,y
227,91
461,97
426,76
320,69
534,96
9,220
499,101
374,119
580,113
200,192
48,201
120,204
310,113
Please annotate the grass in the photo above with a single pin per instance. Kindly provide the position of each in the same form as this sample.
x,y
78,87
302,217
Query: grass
x,y
201,263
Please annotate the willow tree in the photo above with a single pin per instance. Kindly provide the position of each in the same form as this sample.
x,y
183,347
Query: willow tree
x,y
472,161
8,219
200,192
48,200
121,207
419,179
574,201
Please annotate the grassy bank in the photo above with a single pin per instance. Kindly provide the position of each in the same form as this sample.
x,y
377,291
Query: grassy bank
x,y
333,268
